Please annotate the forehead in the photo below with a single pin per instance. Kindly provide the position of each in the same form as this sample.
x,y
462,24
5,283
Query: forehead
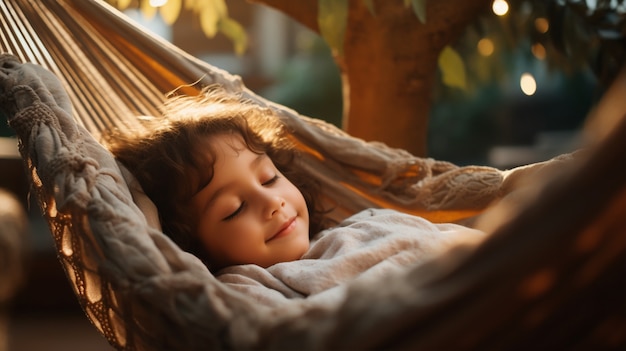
x,y
219,152
221,159
214,147
206,152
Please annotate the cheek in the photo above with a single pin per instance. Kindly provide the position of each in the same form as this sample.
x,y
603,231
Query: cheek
x,y
226,247
297,197
223,238
207,234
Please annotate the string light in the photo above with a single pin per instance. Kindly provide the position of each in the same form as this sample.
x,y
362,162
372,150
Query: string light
x,y
528,84
500,7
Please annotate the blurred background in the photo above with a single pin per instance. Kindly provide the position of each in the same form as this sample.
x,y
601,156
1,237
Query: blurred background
x,y
522,103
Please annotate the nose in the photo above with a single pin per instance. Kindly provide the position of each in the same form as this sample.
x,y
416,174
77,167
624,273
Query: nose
x,y
273,206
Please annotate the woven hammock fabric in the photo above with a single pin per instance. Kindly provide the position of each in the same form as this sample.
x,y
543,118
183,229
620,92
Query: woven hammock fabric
x,y
551,274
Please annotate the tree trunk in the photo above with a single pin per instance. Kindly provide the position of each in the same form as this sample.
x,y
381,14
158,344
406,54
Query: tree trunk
x,y
388,70
389,64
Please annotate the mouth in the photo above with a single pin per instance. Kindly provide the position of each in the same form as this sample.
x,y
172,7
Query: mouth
x,y
284,229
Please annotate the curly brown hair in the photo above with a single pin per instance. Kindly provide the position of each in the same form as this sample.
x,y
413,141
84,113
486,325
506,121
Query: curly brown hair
x,y
161,155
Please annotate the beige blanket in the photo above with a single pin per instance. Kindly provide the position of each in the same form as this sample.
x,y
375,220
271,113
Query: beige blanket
x,y
365,247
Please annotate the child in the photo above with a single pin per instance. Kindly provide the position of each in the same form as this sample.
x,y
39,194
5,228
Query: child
x,y
183,163
218,170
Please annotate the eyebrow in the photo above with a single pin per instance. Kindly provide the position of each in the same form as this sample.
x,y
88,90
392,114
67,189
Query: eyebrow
x,y
253,166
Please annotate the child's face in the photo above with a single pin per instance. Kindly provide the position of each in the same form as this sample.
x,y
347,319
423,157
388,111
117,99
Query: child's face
x,y
249,212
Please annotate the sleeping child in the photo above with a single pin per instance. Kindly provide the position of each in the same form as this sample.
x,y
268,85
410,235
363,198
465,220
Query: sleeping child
x,y
220,172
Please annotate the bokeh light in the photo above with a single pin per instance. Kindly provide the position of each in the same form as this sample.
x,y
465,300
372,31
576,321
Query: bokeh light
x,y
539,51
485,47
157,3
542,25
528,84
500,7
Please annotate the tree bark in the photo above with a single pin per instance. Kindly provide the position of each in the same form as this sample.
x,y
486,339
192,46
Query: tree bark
x,y
389,63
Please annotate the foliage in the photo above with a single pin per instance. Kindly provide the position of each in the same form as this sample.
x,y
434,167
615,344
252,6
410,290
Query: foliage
x,y
332,19
452,68
213,15
564,40
580,34
567,36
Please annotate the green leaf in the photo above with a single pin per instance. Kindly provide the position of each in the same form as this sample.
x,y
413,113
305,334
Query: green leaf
x,y
370,6
211,13
220,7
209,19
170,11
419,7
332,16
235,32
452,68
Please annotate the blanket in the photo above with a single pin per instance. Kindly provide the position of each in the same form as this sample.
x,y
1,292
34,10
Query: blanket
x,y
365,247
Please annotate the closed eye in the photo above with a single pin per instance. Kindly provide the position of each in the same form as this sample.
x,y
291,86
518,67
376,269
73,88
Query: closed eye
x,y
271,181
241,207
233,215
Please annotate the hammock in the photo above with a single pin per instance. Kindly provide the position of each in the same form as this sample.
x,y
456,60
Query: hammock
x,y
550,274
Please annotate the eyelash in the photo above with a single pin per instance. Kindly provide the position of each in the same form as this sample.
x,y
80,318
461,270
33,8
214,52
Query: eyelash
x,y
271,181
233,215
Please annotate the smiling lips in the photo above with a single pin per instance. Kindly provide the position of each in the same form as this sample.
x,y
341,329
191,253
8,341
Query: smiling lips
x,y
284,230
